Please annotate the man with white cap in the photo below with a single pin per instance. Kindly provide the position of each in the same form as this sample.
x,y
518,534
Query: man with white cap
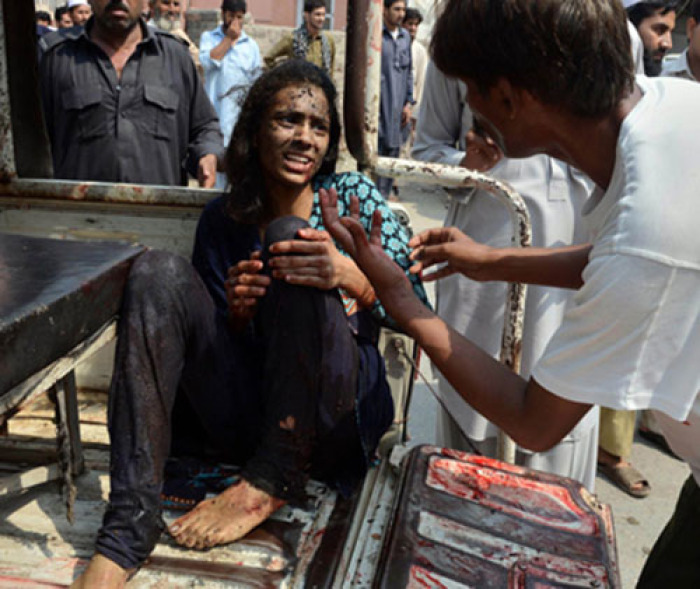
x,y
79,11
654,20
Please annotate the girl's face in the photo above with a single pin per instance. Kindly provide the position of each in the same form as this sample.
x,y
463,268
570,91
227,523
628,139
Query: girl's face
x,y
294,136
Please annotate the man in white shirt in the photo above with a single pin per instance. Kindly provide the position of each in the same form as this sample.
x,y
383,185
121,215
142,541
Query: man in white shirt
x,y
631,337
687,64
654,20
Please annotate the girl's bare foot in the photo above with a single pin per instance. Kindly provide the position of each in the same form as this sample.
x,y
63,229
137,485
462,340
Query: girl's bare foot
x,y
102,573
225,518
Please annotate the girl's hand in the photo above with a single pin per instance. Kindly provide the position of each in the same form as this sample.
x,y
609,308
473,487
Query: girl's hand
x,y
245,287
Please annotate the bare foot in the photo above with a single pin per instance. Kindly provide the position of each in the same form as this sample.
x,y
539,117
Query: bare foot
x,y
225,518
102,573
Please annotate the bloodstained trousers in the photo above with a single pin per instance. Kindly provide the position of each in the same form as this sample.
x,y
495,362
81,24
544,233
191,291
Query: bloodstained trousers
x,y
279,401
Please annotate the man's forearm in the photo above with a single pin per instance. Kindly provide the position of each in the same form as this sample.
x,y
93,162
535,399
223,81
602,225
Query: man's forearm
x,y
218,52
558,267
522,409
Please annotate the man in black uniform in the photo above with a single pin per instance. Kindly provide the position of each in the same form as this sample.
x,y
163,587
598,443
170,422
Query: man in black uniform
x,y
123,103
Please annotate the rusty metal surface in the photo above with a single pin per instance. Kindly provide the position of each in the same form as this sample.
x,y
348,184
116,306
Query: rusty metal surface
x,y
103,192
356,51
7,152
53,294
470,521
298,547
363,62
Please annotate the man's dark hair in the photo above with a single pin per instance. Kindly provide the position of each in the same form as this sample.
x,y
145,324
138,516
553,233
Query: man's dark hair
x,y
59,12
311,5
642,10
569,53
234,6
42,16
390,3
695,10
247,201
413,14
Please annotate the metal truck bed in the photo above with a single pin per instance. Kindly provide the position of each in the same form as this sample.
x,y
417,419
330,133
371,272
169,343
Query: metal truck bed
x,y
54,294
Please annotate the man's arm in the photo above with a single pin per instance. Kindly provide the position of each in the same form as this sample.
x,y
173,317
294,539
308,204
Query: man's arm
x,y
452,252
206,44
439,122
408,102
331,42
205,140
534,417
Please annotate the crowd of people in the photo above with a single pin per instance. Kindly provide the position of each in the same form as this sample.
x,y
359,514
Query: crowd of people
x,y
270,358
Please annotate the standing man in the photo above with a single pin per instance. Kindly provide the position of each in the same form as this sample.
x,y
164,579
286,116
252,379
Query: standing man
x,y
309,41
79,11
231,62
654,20
123,103
419,58
167,16
687,65
631,337
396,95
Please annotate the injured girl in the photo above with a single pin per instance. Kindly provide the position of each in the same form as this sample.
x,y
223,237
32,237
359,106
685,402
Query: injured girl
x,y
263,352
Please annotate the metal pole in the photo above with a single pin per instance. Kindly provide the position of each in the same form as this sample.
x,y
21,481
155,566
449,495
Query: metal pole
x,y
7,150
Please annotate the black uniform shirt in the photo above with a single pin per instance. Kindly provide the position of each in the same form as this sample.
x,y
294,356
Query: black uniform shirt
x,y
149,127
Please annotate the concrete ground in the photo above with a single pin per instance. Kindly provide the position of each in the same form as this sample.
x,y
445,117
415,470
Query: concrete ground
x,y
637,521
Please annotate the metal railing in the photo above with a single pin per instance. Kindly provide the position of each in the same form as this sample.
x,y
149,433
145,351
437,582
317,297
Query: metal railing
x,y
362,87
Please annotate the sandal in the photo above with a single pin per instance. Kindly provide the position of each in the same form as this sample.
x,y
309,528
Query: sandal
x,y
627,477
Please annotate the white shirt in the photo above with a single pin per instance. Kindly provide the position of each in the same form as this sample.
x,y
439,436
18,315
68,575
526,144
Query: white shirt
x,y
419,58
678,68
631,339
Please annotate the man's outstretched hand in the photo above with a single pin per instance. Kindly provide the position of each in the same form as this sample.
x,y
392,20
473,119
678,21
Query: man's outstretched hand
x,y
448,251
387,278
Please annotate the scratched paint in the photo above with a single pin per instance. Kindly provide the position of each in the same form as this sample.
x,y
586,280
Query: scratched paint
x,y
509,554
523,497
484,523
104,192
421,578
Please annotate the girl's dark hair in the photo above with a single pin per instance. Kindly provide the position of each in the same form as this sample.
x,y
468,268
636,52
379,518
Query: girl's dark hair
x,y
247,201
